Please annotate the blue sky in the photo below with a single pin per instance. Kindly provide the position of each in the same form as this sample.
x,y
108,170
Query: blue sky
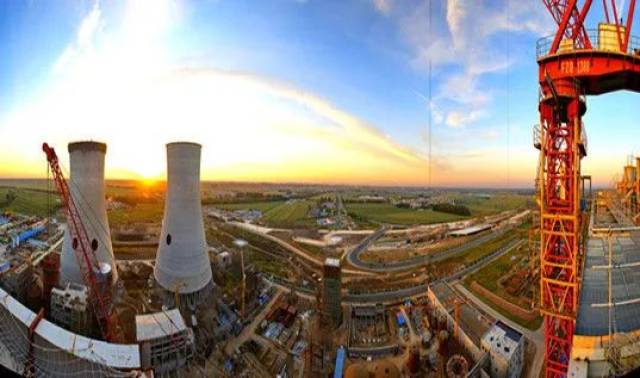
x,y
322,91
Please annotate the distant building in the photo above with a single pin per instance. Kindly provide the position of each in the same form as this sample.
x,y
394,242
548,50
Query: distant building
x,y
332,286
505,346
325,222
166,343
70,308
372,199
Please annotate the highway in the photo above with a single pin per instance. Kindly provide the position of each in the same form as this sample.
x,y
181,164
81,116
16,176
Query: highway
x,y
399,295
354,259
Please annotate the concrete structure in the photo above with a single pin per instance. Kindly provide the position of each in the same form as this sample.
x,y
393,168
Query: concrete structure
x,y
18,278
182,261
56,351
70,308
86,184
505,346
166,343
472,324
332,290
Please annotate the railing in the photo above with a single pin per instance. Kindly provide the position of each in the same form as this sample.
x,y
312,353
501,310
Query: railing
x,y
537,136
606,40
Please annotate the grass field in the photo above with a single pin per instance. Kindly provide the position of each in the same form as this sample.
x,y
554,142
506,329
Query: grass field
x,y
489,276
28,202
263,206
497,203
388,213
140,213
289,214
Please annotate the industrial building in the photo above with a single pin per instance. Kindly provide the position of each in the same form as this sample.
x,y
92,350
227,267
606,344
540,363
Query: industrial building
x,y
182,261
71,309
332,290
166,343
505,346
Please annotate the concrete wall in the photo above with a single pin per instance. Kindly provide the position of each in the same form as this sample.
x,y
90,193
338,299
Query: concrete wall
x,y
57,352
464,340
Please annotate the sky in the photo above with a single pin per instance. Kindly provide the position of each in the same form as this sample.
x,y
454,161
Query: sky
x,y
291,90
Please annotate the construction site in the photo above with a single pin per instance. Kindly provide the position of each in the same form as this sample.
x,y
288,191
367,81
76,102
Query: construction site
x,y
187,278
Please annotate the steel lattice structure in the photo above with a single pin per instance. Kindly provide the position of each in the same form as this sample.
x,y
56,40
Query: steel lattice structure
x,y
100,297
572,63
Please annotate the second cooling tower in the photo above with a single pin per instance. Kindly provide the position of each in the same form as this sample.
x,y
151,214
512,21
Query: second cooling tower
x,y
182,261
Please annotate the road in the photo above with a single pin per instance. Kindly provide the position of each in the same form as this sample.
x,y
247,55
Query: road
x,y
536,337
249,330
297,251
418,261
352,256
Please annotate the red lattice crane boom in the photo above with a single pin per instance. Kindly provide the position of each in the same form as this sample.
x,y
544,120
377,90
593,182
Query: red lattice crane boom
x,y
100,295
573,63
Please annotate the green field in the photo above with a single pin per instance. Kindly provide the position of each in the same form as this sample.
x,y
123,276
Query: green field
x,y
497,203
290,214
388,213
140,213
263,206
28,202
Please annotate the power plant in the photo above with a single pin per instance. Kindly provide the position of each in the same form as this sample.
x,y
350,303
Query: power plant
x,y
184,277
182,262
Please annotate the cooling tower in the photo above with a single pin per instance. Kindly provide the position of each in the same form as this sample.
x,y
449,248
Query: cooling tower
x,y
86,183
182,261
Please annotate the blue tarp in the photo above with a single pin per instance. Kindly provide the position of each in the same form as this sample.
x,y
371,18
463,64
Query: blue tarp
x,y
400,319
340,357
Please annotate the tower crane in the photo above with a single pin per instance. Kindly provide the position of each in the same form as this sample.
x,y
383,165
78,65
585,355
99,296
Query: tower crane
x,y
100,295
572,63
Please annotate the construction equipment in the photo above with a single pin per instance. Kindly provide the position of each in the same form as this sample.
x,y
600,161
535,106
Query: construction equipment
x,y
100,296
571,67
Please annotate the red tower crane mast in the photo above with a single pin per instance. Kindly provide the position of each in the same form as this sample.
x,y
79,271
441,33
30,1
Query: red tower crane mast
x,y
100,295
573,63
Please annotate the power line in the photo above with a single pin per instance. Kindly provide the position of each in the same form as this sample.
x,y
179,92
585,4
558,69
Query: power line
x,y
508,96
429,95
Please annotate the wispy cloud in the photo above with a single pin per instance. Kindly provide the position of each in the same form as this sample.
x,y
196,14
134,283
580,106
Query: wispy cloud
x,y
383,6
464,40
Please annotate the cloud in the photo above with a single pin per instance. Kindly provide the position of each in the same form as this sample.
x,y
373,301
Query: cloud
x,y
383,6
116,86
463,40
86,35
457,119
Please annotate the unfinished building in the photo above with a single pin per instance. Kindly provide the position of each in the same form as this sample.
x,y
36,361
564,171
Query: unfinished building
x,y
166,343
332,290
70,308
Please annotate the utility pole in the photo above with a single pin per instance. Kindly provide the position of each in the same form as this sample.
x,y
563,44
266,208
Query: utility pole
x,y
241,243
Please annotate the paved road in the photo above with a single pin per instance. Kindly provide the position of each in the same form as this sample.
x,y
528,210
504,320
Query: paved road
x,y
537,337
250,329
417,261
395,296
352,256
295,250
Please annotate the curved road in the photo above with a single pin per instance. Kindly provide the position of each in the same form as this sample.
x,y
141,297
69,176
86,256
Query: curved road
x,y
354,255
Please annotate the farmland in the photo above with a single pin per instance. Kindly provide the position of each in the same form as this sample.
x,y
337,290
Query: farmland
x,y
388,213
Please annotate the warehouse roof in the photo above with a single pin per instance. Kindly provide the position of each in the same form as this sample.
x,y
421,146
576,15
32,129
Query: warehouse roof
x,y
593,314
159,324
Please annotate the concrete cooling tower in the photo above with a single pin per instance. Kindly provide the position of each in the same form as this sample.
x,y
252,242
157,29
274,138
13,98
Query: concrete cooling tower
x,y
86,183
182,261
